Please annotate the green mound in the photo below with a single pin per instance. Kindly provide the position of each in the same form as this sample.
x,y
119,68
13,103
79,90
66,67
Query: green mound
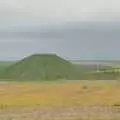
x,y
42,67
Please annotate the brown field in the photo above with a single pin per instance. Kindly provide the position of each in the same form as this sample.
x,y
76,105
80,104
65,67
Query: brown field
x,y
63,100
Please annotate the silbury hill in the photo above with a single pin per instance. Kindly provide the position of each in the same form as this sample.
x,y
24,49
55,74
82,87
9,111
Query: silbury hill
x,y
42,67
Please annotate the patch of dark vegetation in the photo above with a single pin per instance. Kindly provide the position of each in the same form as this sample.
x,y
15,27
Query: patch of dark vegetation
x,y
84,87
116,105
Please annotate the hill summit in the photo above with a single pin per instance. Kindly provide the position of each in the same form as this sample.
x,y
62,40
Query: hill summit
x,y
42,67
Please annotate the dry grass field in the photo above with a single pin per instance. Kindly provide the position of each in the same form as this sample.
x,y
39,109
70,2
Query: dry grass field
x,y
63,100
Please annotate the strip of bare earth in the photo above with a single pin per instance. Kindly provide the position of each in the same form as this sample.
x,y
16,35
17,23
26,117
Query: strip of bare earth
x,y
37,112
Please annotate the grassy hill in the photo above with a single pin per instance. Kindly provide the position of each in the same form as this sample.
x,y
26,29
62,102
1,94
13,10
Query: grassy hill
x,y
50,67
42,67
4,65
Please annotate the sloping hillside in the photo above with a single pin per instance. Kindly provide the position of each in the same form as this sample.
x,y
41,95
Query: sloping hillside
x,y
42,66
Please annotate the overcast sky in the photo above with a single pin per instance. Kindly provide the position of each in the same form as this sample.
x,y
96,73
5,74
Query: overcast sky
x,y
76,15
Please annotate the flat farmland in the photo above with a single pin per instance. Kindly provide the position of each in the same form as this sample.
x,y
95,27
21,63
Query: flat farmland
x,y
71,100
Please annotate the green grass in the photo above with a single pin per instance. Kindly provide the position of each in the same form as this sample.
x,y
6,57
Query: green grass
x,y
49,67
4,65
42,67
89,72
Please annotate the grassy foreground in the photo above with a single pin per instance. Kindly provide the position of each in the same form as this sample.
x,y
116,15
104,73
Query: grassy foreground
x,y
59,94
